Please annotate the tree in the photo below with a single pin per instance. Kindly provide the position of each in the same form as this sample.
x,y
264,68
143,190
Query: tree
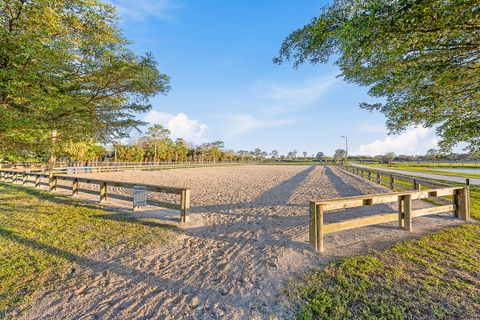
x,y
320,155
304,154
432,154
274,154
157,135
67,75
389,157
181,150
257,153
339,153
421,56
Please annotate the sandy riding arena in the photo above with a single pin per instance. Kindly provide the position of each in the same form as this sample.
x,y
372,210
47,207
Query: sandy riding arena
x,y
248,235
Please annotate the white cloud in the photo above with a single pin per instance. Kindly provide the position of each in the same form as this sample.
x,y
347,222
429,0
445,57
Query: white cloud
x,y
287,99
180,125
413,141
140,9
242,123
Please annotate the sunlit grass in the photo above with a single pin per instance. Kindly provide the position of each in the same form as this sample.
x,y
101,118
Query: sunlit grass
x,y
435,277
41,233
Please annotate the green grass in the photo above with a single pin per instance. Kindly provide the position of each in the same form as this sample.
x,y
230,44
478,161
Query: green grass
x,y
429,169
41,234
435,277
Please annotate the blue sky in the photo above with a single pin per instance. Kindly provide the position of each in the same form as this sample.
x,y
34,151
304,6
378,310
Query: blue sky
x,y
225,86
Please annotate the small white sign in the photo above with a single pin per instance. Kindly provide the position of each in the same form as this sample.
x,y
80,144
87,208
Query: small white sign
x,y
139,196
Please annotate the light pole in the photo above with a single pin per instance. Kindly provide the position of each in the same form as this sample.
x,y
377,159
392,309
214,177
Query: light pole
x,y
346,148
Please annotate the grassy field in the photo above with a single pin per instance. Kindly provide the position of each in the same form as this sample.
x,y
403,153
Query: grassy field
x,y
435,277
42,234
430,169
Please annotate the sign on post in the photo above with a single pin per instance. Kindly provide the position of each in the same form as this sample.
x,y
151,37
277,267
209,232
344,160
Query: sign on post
x,y
139,196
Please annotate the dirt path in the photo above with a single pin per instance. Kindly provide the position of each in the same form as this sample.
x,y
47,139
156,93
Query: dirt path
x,y
249,235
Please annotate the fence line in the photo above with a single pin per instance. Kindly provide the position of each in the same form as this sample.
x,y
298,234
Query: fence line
x,y
460,204
404,216
23,178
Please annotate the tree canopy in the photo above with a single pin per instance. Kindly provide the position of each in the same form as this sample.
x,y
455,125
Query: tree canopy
x,y
65,67
422,57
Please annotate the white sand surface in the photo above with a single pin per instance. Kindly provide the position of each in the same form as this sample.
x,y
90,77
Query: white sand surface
x,y
248,236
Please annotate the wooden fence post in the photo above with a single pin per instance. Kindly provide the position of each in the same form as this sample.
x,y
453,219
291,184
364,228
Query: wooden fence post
x,y
407,206
37,181
52,184
184,205
392,182
369,175
378,178
103,192
312,236
75,187
316,227
2,176
462,204
401,214
24,179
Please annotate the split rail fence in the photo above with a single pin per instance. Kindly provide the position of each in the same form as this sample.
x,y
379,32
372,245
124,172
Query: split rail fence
x,y
35,178
459,205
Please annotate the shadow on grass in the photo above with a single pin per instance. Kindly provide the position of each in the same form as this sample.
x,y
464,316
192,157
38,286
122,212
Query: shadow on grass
x,y
111,212
153,282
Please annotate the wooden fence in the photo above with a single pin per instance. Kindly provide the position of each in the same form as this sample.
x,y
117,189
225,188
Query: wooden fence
x,y
392,179
143,167
318,229
23,177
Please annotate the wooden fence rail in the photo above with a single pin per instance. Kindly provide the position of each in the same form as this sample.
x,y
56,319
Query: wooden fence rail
x,y
23,178
391,179
405,214
143,167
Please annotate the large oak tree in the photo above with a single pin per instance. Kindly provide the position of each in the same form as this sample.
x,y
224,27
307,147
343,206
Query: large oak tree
x,y
422,57
66,68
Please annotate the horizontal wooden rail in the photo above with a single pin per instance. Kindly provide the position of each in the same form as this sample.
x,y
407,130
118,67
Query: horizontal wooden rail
x,y
379,176
145,167
404,215
184,193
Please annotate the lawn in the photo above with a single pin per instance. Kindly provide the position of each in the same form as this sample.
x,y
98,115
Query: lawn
x,y
434,277
42,234
430,169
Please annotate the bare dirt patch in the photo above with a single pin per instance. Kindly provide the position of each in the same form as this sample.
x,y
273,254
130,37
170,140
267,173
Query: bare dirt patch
x,y
248,235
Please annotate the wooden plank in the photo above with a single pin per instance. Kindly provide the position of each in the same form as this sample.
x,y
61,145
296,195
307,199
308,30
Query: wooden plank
x,y
360,222
463,203
312,235
432,210
184,205
407,212
358,201
103,192
400,211
150,187
320,228
75,187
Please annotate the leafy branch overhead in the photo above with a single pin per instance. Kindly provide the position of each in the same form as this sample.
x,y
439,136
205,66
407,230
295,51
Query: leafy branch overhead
x,y
65,66
422,57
